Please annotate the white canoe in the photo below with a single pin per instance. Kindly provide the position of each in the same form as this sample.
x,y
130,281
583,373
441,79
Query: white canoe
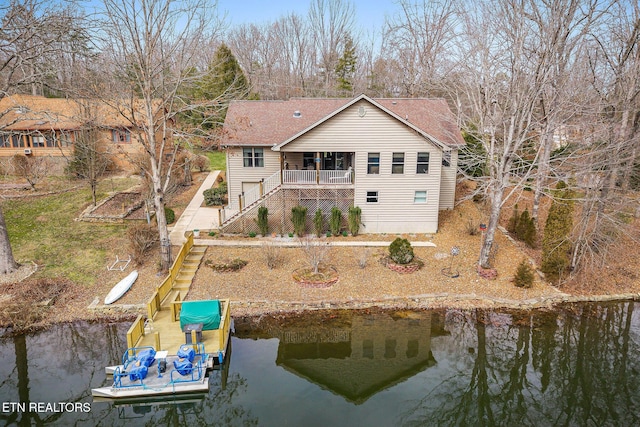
x,y
123,286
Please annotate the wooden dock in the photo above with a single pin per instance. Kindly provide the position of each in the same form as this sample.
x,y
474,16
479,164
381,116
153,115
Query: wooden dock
x,y
161,327
170,336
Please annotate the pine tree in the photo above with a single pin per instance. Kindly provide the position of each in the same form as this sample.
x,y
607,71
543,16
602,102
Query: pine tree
x,y
524,275
526,229
556,245
346,66
223,82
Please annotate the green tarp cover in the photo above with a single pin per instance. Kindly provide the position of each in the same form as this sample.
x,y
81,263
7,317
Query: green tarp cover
x,y
205,312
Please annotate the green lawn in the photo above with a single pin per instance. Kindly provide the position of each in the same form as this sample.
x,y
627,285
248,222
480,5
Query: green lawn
x,y
43,230
217,160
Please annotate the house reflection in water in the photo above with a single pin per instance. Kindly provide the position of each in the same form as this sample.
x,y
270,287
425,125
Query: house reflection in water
x,y
359,355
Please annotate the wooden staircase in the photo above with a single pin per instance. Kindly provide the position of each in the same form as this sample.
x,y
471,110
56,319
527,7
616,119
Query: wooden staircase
x,y
246,209
188,270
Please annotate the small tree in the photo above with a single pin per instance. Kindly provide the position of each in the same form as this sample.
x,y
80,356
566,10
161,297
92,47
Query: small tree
x,y
315,251
33,169
524,275
526,229
263,220
90,156
556,245
170,215
273,255
336,220
400,251
355,219
299,219
318,222
142,237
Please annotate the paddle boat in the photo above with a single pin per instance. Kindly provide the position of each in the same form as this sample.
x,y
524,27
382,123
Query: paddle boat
x,y
121,288
146,372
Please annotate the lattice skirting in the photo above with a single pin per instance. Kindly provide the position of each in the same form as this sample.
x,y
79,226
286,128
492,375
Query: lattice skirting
x,y
282,201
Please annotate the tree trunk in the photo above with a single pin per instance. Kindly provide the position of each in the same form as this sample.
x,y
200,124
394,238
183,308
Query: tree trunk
x,y
161,219
494,216
7,263
543,171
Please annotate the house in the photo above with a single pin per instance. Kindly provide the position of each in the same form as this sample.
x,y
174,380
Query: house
x,y
396,159
48,127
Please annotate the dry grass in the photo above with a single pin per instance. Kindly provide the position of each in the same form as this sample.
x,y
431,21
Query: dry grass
x,y
256,283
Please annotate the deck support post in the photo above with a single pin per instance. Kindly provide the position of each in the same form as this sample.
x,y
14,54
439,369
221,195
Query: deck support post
x,y
157,340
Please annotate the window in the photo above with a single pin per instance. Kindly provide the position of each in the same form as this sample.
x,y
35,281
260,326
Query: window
x,y
420,196
18,140
66,139
367,349
308,160
412,348
446,158
37,141
422,165
397,163
121,136
50,139
253,157
390,348
372,197
373,163
5,141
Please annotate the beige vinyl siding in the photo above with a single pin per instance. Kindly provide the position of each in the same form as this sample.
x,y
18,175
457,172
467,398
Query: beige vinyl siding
x,y
377,132
237,173
448,183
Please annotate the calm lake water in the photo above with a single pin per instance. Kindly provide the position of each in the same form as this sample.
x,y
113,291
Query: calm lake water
x,y
578,366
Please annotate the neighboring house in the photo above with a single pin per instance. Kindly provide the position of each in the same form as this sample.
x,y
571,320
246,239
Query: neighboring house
x,y
396,159
38,126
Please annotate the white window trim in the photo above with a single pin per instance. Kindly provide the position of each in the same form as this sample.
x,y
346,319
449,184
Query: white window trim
x,y
366,196
415,197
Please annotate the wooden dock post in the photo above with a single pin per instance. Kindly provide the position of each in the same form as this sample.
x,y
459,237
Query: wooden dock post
x,y
157,339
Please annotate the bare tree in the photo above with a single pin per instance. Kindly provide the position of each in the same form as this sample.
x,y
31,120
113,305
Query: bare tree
x,y
90,155
34,36
330,21
419,38
608,163
153,46
499,90
315,251
32,169
560,29
31,32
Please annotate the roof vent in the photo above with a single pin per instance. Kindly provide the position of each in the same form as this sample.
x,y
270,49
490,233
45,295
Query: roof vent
x,y
297,114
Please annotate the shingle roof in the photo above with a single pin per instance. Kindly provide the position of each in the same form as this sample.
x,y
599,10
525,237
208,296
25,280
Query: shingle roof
x,y
273,123
28,112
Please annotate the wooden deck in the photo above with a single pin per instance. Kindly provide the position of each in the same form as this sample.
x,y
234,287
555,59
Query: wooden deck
x,y
162,331
171,337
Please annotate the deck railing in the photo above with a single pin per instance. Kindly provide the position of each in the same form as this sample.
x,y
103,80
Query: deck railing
x,y
225,320
154,303
135,331
303,177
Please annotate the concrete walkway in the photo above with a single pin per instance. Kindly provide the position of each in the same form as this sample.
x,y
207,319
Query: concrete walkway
x,y
195,216
292,242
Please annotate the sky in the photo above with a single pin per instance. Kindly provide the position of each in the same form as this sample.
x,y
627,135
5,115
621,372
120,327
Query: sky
x,y
370,14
